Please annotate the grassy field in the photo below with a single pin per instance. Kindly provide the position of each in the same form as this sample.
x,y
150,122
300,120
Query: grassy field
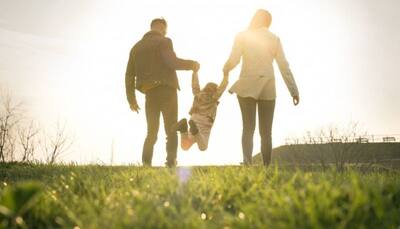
x,y
42,196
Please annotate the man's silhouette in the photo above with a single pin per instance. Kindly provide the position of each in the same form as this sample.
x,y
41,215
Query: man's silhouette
x,y
152,69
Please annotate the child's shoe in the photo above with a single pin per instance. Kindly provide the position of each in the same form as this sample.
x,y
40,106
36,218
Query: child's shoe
x,y
193,128
181,126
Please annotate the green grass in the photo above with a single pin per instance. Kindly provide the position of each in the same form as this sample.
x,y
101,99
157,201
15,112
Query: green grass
x,y
201,197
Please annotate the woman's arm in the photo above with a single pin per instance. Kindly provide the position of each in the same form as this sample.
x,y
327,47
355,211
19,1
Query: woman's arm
x,y
285,70
222,87
234,58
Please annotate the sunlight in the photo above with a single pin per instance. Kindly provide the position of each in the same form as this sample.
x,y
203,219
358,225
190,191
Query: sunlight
x,y
91,62
206,39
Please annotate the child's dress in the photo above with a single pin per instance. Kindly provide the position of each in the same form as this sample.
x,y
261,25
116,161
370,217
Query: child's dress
x,y
203,113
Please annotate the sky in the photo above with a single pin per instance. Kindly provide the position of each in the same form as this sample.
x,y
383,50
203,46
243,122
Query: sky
x,y
66,61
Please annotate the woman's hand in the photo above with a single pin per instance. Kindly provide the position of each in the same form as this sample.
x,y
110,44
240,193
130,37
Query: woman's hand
x,y
296,100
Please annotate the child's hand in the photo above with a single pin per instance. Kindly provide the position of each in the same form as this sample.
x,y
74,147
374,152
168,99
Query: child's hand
x,y
196,66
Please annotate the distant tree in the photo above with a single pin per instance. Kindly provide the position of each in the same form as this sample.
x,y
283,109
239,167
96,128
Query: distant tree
x,y
344,145
57,144
27,136
331,144
10,116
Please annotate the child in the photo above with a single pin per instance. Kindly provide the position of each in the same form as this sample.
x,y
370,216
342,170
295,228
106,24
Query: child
x,y
203,113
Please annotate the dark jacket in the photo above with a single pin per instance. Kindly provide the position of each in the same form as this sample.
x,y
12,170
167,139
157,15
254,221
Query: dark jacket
x,y
153,62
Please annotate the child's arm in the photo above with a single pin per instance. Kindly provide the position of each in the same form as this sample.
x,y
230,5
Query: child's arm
x,y
195,83
222,86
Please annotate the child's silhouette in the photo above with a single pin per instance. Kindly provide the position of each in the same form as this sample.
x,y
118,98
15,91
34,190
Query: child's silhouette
x,y
203,113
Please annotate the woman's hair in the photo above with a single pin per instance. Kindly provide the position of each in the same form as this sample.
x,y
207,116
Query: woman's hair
x,y
261,18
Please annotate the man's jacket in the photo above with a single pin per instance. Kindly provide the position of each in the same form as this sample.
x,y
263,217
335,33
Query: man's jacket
x,y
153,62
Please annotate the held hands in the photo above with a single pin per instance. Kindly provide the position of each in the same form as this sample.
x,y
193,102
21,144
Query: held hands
x,y
196,66
296,100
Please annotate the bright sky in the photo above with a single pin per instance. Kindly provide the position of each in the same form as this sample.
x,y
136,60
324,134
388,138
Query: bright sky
x,y
66,60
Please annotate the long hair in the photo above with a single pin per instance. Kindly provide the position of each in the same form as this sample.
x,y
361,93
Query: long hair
x,y
261,18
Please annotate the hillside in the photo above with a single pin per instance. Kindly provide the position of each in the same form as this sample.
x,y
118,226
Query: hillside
x,y
381,153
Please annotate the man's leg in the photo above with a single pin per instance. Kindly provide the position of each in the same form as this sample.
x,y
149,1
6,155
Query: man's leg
x,y
248,108
170,115
153,122
266,115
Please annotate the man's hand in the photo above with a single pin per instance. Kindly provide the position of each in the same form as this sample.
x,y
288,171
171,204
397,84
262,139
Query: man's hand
x,y
196,66
135,107
296,100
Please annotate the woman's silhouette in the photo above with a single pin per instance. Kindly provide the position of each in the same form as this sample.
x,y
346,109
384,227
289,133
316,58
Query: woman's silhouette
x,y
255,88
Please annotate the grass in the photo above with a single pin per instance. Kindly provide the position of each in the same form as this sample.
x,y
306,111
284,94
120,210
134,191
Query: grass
x,y
199,197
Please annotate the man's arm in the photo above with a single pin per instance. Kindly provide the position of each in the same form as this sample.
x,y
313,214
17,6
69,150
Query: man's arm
x,y
170,58
130,84
195,83
222,86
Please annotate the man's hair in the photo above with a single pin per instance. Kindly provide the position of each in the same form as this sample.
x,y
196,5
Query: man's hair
x,y
158,21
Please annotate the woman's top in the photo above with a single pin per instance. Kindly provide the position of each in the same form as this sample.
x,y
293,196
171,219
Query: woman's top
x,y
257,49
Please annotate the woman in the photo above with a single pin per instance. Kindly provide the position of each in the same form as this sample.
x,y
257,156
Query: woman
x,y
258,47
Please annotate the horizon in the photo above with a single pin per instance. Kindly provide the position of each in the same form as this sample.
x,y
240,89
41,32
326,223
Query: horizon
x,y
66,61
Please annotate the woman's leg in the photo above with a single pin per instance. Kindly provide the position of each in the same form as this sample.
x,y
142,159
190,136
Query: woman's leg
x,y
265,117
248,109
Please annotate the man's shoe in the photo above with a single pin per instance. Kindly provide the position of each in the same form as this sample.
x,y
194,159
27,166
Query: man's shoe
x,y
181,126
171,164
193,127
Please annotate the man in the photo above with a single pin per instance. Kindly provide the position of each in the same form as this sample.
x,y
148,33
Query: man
x,y
152,69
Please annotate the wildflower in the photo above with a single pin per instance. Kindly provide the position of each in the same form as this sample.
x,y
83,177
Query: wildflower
x,y
203,216
19,220
66,186
135,193
166,204
130,211
4,183
241,215
131,179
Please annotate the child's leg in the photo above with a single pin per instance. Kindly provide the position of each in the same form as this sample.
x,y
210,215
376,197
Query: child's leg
x,y
202,139
204,126
187,140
